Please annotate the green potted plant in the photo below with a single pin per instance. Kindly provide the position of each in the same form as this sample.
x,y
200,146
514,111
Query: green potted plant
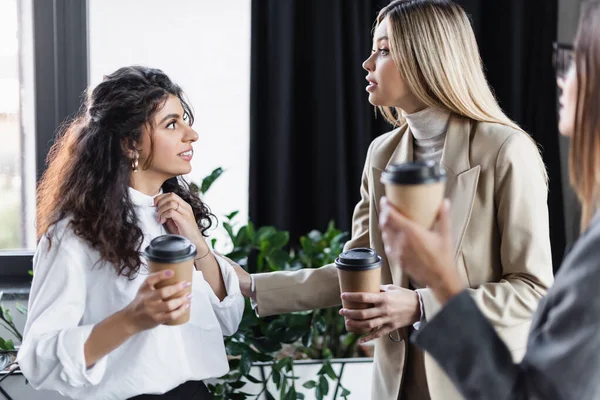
x,y
280,342
8,350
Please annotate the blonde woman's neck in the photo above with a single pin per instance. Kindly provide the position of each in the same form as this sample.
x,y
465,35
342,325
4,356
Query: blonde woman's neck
x,y
428,123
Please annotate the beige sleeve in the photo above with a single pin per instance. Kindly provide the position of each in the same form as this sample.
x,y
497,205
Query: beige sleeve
x,y
308,289
522,219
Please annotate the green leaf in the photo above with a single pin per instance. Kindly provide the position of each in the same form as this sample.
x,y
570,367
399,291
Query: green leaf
x,y
276,378
345,392
245,365
30,272
9,344
323,385
321,324
237,384
269,395
283,389
194,188
300,396
250,232
307,244
8,316
291,394
229,230
329,370
252,379
236,348
237,255
278,260
210,179
213,242
279,239
264,233
307,339
232,215
310,384
241,239
318,393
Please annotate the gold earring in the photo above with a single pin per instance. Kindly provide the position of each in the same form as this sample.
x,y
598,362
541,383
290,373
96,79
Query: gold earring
x,y
135,162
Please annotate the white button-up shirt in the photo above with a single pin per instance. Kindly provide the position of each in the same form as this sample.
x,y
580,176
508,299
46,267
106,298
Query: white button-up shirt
x,y
72,290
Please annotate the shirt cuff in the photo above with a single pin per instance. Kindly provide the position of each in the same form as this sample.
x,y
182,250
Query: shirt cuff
x,y
70,352
422,318
232,285
253,302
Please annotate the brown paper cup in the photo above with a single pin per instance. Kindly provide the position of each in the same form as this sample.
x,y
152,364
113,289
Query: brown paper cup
x,y
421,203
183,272
359,271
416,190
176,253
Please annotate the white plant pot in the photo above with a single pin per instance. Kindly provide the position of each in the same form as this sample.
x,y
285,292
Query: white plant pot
x,y
356,377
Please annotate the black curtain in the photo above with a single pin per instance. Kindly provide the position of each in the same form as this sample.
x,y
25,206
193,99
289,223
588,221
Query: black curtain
x,y
311,123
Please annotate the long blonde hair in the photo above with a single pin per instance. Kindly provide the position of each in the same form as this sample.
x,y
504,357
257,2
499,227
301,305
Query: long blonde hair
x,y
584,157
433,46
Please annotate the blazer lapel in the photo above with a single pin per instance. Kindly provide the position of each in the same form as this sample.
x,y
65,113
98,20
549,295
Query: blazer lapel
x,y
461,185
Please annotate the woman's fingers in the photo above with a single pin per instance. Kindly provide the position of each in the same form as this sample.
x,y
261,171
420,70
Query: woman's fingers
x,y
170,291
156,277
367,324
173,315
384,330
367,313
174,304
358,297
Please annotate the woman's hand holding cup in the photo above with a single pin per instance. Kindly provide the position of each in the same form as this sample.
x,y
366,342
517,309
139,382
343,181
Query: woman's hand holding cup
x,y
153,306
427,256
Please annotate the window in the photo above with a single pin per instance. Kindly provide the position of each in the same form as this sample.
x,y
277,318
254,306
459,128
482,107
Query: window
x,y
42,76
17,160
204,47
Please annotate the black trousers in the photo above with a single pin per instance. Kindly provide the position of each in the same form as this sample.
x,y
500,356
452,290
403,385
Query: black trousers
x,y
190,390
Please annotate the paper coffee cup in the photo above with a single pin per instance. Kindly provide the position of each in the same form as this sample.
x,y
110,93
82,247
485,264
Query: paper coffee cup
x,y
176,253
359,270
416,189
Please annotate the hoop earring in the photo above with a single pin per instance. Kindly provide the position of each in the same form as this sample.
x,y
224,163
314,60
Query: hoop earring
x,y
134,163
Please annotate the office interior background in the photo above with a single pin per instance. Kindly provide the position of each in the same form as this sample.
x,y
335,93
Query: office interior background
x,y
278,91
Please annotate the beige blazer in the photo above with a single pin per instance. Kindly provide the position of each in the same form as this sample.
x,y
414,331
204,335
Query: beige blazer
x,y
497,188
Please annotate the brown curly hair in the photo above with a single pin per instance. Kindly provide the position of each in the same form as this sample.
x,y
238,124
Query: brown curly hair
x,y
89,167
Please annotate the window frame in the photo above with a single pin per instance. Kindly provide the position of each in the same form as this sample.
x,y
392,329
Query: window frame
x,y
60,33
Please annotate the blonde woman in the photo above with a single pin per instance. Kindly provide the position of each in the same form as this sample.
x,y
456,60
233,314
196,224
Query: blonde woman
x,y
562,361
426,77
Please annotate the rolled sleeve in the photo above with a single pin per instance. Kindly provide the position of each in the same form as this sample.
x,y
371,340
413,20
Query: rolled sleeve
x,y
70,345
52,353
230,310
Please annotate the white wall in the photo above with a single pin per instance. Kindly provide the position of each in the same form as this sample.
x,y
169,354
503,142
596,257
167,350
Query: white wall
x,y
204,46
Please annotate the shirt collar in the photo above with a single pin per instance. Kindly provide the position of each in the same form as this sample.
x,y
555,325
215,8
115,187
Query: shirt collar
x,y
140,199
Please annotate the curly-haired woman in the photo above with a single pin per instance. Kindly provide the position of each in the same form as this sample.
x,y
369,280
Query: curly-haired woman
x,y
95,324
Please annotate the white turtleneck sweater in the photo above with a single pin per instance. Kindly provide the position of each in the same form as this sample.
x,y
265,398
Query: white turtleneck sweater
x,y
428,128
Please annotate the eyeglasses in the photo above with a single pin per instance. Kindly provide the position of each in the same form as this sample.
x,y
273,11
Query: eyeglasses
x,y
564,55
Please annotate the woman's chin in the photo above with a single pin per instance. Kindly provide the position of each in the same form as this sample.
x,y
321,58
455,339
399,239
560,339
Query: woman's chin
x,y
375,101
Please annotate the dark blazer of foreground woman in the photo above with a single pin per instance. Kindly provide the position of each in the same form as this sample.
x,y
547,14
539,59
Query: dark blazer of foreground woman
x,y
562,360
